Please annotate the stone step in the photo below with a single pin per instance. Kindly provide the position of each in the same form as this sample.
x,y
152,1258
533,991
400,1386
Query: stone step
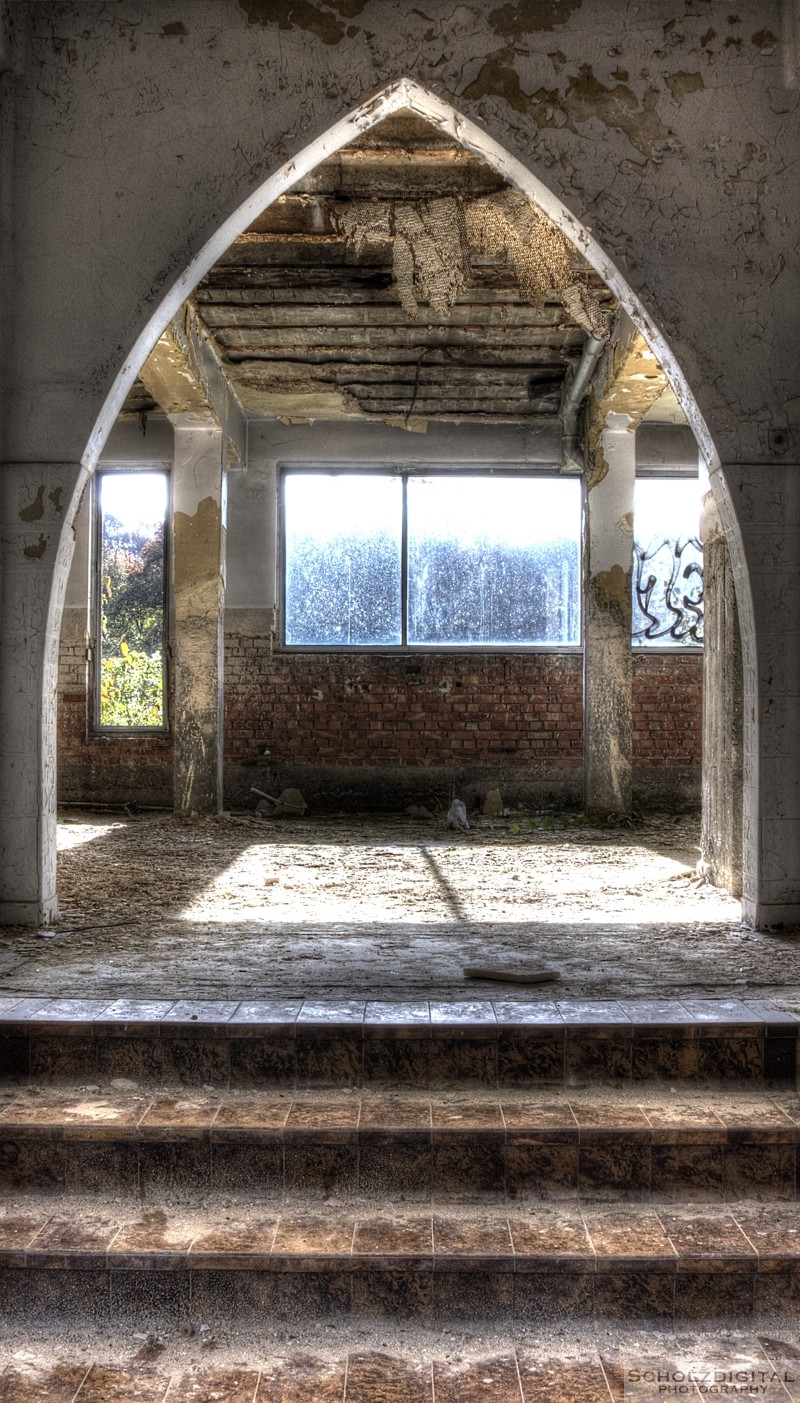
x,y
641,1143
579,1365
297,1043
194,1264
515,1373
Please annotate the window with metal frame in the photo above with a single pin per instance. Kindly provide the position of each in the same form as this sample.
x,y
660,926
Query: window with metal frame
x,y
667,563
131,600
417,559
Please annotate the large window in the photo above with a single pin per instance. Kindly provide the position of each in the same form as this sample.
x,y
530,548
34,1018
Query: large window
x,y
667,564
395,559
131,600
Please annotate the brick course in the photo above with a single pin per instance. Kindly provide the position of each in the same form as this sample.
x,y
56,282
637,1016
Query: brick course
x,y
667,709
402,713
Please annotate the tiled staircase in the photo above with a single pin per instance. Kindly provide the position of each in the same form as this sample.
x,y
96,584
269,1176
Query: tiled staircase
x,y
496,1201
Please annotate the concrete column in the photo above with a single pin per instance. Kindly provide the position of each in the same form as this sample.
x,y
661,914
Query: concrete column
x,y
198,574
723,702
35,552
760,510
608,661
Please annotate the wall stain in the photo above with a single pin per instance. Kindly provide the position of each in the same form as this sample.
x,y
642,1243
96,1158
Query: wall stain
x,y
612,591
680,84
616,107
585,97
765,40
35,510
499,78
55,498
175,26
531,16
36,552
196,560
302,14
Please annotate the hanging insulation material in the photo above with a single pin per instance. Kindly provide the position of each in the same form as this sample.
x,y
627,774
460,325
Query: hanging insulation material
x,y
430,255
538,252
431,242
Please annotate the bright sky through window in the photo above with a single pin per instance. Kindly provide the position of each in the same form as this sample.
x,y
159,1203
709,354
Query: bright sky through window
x,y
138,500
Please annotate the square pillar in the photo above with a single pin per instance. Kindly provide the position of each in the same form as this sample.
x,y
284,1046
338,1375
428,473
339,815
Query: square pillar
x,y
198,577
608,660
35,553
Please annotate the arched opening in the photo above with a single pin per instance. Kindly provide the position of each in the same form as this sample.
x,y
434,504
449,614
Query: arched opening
x,y
625,400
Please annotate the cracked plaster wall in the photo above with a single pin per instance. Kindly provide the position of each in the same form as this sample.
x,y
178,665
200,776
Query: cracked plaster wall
x,y
140,126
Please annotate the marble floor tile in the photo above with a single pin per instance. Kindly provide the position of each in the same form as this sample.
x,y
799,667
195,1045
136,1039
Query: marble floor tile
x,y
625,1239
387,1239
32,1383
485,1240
204,1385
109,1385
547,1380
493,1380
380,1378
301,1235
234,1246
554,1237
709,1240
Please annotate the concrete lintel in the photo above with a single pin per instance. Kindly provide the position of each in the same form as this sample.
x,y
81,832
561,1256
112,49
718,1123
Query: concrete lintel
x,y
202,354
172,379
666,447
628,382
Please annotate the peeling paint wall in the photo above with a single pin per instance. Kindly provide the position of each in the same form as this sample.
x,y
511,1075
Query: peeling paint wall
x,y
608,561
198,596
142,125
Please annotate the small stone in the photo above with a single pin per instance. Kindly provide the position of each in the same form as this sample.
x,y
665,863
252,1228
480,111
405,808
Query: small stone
x,y
124,1084
493,803
457,815
90,1089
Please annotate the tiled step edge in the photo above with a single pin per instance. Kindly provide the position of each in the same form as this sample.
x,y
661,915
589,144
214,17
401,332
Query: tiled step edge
x,y
143,1148
635,1264
299,1043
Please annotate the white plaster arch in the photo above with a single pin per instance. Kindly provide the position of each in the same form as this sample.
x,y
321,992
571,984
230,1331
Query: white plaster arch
x,y
406,94
403,95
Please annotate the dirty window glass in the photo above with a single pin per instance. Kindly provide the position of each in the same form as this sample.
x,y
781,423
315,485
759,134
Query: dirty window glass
x,y
132,509
668,564
343,545
446,560
493,561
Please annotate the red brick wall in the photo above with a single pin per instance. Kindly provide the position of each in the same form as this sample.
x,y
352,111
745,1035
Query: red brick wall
x,y
400,713
96,769
410,710
667,709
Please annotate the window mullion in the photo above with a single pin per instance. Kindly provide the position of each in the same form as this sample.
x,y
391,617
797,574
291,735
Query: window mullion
x,y
404,566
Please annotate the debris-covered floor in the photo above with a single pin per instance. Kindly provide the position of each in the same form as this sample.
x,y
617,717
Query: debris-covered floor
x,y
388,907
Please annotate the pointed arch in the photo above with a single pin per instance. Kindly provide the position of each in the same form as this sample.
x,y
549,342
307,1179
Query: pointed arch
x,y
404,95
407,94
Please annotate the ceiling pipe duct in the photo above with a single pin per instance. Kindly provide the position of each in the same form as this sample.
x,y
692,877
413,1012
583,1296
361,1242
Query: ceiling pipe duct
x,y
572,455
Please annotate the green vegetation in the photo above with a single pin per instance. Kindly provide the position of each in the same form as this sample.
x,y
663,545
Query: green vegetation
x,y
132,627
131,689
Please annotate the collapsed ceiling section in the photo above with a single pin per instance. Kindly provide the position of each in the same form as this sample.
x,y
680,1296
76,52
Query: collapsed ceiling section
x,y
402,280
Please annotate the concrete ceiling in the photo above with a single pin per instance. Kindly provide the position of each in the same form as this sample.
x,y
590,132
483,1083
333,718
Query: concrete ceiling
x,y
303,329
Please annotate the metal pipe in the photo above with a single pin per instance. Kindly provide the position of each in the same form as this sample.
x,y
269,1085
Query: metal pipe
x,y
572,459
